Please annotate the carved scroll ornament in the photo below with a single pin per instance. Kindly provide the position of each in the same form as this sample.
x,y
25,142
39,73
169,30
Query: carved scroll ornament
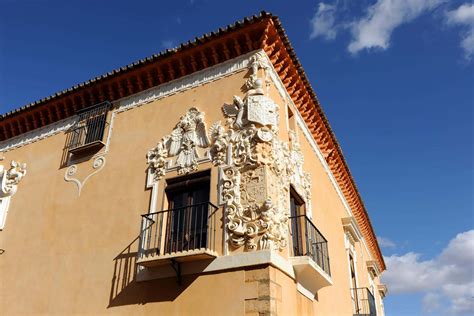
x,y
11,178
255,167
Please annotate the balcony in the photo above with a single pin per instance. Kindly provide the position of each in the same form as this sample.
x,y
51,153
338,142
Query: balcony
x,y
310,257
88,133
178,235
363,302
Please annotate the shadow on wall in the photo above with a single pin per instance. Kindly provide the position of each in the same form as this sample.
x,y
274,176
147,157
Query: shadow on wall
x,y
125,290
68,159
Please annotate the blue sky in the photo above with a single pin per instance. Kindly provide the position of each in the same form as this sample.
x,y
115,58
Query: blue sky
x,y
395,79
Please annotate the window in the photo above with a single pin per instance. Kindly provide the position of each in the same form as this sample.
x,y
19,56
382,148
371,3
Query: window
x,y
354,292
297,214
88,133
297,205
188,200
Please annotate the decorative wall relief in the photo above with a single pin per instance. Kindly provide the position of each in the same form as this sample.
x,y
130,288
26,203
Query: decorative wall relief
x,y
71,173
256,168
301,180
255,163
11,178
184,142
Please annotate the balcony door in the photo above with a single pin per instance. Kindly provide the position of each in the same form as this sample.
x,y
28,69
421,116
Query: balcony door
x,y
297,215
354,293
187,217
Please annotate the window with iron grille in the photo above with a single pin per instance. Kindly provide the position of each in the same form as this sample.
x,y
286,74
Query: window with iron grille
x,y
88,133
188,200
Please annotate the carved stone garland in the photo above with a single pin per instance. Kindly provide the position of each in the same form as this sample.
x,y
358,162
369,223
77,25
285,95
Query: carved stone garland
x,y
11,178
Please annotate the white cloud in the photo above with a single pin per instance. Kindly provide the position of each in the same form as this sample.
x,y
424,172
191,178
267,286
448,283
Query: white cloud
x,y
464,16
322,23
446,281
375,28
431,302
385,242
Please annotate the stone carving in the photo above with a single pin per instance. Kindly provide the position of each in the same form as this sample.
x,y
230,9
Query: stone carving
x,y
219,144
258,61
98,164
301,180
255,177
183,142
262,110
11,178
156,159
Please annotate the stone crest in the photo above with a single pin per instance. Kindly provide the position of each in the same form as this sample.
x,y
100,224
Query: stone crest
x,y
262,110
183,143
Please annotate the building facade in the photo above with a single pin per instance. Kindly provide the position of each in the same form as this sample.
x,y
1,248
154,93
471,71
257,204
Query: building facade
x,y
202,181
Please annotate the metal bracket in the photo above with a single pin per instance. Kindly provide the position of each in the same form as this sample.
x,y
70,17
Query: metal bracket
x,y
177,268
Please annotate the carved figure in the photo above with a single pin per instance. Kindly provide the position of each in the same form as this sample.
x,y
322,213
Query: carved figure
x,y
11,178
188,135
219,143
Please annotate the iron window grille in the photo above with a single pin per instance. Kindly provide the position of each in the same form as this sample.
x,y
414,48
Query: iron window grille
x,y
308,241
89,131
181,229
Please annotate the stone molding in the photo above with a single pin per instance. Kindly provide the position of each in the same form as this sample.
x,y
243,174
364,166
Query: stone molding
x,y
185,83
36,135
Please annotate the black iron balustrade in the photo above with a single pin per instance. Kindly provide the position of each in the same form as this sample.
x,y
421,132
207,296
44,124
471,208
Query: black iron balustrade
x,y
180,229
90,127
308,241
363,302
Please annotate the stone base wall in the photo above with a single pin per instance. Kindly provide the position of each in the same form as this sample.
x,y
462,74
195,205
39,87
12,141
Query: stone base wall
x,y
263,292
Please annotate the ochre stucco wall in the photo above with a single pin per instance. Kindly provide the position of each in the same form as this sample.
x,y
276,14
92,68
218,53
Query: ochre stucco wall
x,y
71,254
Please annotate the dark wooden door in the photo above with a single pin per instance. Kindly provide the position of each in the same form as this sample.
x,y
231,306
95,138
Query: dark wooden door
x,y
297,212
188,216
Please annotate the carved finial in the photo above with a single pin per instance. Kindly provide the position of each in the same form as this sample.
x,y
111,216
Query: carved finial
x,y
255,84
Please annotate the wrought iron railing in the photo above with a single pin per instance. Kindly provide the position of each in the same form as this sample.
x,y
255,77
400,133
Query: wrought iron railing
x,y
307,240
363,302
90,127
180,229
